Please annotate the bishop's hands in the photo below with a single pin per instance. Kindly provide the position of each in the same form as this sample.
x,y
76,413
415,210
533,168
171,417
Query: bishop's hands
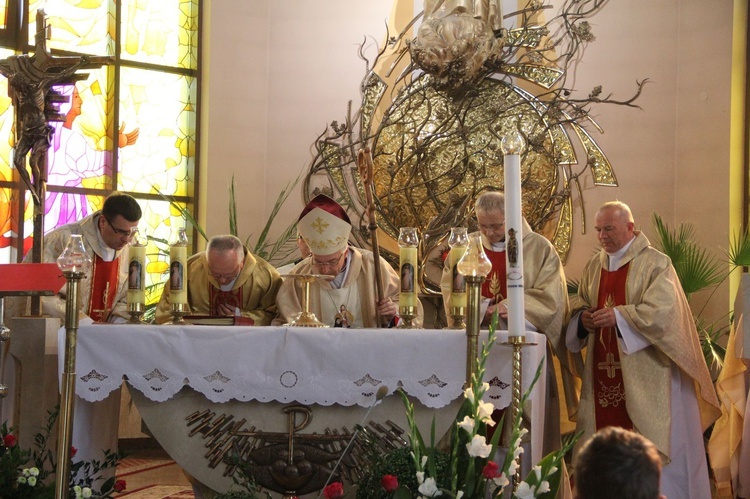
x,y
387,309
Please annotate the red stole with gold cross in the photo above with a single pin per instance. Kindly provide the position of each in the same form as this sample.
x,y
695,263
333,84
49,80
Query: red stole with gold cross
x,y
217,298
495,287
104,285
609,387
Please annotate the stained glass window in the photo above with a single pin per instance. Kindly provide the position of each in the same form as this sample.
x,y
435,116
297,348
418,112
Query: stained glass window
x,y
130,125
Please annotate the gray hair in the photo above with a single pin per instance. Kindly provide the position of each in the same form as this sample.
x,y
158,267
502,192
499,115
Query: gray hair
x,y
490,201
226,243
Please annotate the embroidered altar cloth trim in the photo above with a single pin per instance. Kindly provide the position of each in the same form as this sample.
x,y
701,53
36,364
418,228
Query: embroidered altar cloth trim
x,y
303,365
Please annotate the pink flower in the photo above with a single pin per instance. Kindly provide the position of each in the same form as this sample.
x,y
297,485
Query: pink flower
x,y
119,486
389,483
490,470
9,440
334,491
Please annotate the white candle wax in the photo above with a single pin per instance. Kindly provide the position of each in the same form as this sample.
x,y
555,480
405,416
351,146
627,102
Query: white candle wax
x,y
514,245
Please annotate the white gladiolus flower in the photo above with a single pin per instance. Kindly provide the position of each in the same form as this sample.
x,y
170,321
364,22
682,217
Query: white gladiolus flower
x,y
538,472
543,487
484,412
552,471
420,477
469,395
525,491
512,467
429,488
459,494
501,480
478,447
517,452
467,424
424,461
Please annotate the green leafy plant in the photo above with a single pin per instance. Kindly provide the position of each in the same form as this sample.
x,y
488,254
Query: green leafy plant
x,y
467,469
27,474
698,269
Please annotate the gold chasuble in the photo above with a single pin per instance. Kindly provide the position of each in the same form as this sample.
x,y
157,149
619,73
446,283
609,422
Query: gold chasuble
x,y
495,287
104,286
610,389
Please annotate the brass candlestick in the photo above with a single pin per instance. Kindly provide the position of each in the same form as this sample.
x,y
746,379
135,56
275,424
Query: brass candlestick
x,y
458,318
407,314
306,318
136,311
178,311
74,263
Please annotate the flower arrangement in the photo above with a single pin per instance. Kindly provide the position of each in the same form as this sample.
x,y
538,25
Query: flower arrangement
x,y
467,469
26,474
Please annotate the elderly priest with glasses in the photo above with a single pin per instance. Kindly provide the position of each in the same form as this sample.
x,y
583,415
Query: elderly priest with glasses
x,y
228,280
349,299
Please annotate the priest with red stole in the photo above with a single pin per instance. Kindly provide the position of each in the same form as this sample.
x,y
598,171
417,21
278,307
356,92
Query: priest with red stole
x,y
644,367
106,234
545,299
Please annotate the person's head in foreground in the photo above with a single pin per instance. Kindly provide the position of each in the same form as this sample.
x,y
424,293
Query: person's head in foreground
x,y
617,464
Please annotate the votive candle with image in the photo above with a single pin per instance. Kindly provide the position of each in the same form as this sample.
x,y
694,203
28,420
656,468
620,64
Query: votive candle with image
x,y
458,242
177,267
408,242
137,269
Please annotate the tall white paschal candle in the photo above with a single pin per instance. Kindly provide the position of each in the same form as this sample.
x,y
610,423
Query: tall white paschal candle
x,y
512,145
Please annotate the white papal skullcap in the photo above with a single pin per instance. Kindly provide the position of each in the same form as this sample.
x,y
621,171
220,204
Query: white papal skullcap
x,y
324,225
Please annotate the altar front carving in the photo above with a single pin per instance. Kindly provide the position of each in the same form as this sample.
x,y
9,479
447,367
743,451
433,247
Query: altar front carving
x,y
251,374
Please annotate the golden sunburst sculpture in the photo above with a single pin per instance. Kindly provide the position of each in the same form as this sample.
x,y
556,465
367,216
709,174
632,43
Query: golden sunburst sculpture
x,y
435,108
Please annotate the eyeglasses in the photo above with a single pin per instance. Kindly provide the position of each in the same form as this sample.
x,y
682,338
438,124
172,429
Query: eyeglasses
x,y
330,263
230,275
492,227
121,232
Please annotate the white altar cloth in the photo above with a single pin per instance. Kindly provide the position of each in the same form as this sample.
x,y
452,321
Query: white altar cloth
x,y
231,364
310,366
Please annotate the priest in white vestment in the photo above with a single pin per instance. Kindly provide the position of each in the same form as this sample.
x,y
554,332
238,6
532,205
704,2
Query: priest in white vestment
x,y
350,298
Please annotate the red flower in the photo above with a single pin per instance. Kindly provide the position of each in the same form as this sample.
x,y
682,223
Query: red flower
x,y
389,483
73,451
9,440
120,485
490,469
334,491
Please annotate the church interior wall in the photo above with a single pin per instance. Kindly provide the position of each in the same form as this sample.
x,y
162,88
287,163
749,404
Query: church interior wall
x,y
280,70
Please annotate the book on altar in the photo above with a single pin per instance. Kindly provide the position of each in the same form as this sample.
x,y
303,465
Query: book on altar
x,y
219,320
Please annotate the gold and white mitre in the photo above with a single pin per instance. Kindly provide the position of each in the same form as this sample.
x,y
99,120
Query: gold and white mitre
x,y
324,225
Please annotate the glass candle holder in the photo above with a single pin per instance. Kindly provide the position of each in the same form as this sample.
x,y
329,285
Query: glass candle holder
x,y
408,242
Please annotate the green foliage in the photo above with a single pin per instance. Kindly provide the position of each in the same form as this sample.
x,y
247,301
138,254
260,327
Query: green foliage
x,y
697,270
398,463
27,474
246,488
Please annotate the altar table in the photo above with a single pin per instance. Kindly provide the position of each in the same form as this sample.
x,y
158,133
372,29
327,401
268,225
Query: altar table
x,y
175,369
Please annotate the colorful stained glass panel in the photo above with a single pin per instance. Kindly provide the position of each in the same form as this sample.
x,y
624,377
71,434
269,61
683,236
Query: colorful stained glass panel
x,y
163,32
86,27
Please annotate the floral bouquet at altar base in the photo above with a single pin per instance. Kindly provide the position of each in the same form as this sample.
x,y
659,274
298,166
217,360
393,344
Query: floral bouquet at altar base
x,y
25,474
467,469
